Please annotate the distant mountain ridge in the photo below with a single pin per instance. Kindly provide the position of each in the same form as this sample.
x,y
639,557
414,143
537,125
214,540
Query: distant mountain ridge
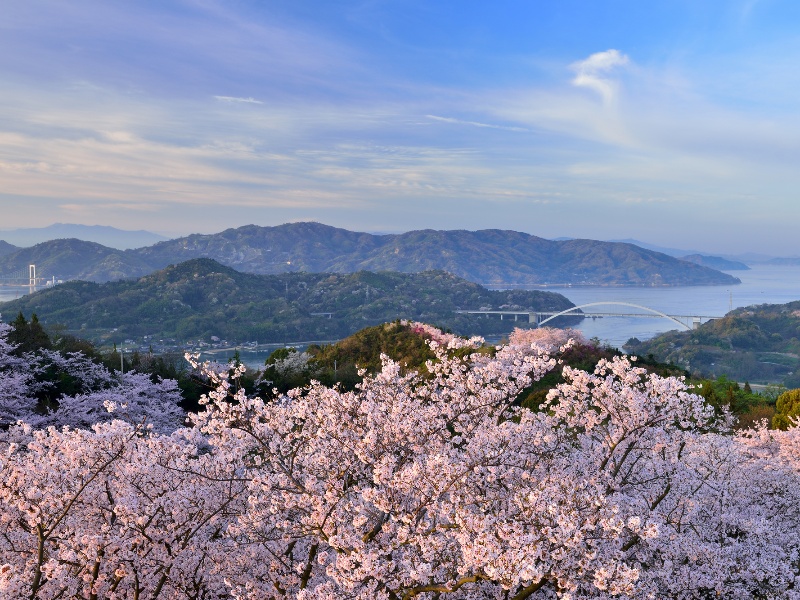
x,y
121,239
747,258
716,262
490,257
675,252
6,248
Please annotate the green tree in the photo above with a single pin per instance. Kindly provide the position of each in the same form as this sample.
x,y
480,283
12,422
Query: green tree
x,y
788,409
29,336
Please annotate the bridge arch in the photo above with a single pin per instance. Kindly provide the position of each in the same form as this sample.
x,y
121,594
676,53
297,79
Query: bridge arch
x,y
615,303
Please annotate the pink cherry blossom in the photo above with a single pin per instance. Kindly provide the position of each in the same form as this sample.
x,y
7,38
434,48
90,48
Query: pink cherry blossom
x,y
623,485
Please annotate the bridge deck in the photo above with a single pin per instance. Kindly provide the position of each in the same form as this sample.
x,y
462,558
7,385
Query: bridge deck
x,y
581,314
542,317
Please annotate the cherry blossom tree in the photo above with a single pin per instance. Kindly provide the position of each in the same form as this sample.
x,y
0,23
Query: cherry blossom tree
x,y
112,513
133,398
548,339
100,395
16,398
427,486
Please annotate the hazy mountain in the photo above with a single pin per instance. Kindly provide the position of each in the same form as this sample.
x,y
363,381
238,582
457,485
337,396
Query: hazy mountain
x,y
748,258
786,262
6,248
491,256
674,252
112,237
716,262
201,298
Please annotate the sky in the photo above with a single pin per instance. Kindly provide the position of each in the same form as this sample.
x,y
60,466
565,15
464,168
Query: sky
x,y
674,122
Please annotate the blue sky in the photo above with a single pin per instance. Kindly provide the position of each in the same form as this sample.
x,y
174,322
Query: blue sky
x,y
673,122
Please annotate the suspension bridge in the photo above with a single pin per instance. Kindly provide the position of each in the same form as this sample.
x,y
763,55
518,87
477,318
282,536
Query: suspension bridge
x,y
542,317
25,278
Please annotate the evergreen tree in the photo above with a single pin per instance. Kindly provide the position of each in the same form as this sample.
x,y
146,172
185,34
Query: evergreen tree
x,y
29,336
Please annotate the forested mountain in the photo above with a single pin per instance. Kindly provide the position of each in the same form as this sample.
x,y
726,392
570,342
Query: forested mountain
x,y
487,256
756,343
200,298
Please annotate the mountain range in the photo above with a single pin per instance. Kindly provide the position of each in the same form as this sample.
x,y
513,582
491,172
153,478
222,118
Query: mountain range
x,y
490,257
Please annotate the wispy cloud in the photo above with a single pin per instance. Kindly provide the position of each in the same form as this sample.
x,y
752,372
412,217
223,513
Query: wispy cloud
x,y
234,112
238,100
593,72
87,209
476,124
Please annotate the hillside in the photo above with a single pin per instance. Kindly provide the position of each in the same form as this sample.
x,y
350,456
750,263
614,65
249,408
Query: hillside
x,y
198,299
757,344
489,257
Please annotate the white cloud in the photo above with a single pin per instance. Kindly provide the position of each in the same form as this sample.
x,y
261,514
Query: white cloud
x,y
238,100
476,124
594,71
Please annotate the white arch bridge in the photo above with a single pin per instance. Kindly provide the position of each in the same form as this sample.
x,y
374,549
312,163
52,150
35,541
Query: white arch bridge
x,y
542,317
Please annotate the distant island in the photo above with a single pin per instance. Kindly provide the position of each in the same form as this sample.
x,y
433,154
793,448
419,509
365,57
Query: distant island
x,y
207,303
489,257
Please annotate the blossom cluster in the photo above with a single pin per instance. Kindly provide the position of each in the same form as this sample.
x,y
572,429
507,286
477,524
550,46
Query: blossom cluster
x,y
625,484
441,338
101,396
